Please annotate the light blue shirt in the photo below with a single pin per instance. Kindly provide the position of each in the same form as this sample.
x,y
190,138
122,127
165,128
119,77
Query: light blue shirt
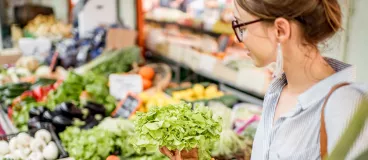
x,y
295,135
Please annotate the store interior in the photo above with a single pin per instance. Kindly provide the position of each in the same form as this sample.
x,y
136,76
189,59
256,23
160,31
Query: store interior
x,y
81,79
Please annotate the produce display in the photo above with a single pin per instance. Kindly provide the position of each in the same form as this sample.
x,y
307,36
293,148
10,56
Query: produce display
x,y
197,92
147,73
48,26
156,99
202,93
118,61
78,89
78,105
109,137
81,88
177,127
24,146
9,92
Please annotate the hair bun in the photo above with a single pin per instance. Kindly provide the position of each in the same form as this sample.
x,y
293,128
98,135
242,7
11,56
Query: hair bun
x,y
333,13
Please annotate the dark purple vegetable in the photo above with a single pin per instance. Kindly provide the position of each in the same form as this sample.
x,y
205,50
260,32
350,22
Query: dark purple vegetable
x,y
34,112
61,122
69,110
90,123
95,108
47,116
42,109
34,123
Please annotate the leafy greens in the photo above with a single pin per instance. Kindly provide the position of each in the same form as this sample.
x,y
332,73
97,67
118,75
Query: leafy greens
x,y
178,127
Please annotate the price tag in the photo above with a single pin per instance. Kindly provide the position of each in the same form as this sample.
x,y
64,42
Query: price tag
x,y
127,107
207,63
121,85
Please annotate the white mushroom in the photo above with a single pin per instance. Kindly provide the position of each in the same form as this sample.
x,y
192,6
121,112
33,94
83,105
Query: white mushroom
x,y
19,154
4,148
26,151
37,145
44,135
51,151
35,156
9,156
24,140
13,144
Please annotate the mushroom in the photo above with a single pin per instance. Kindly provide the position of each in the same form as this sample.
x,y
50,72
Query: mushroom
x,y
35,156
37,145
51,151
44,135
4,148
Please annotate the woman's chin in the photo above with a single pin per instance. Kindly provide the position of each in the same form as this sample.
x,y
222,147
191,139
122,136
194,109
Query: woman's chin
x,y
257,63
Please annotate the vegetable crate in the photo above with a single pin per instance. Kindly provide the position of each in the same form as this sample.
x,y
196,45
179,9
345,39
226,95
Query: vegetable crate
x,y
49,127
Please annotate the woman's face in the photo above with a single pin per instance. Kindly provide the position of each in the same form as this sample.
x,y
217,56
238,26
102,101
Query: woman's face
x,y
257,37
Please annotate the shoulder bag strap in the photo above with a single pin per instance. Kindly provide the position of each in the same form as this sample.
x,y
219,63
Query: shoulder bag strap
x,y
323,134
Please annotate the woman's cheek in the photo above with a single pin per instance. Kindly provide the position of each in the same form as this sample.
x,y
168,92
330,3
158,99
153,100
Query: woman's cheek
x,y
245,36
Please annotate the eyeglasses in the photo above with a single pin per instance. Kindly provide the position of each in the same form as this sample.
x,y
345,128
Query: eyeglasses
x,y
238,31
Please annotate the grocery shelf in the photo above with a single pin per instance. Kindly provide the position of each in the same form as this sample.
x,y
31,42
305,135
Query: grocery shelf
x,y
193,29
244,94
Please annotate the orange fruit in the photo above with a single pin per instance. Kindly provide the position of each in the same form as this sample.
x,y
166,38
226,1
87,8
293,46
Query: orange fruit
x,y
147,73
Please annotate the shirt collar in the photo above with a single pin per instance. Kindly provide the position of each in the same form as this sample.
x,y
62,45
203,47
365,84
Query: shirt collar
x,y
344,73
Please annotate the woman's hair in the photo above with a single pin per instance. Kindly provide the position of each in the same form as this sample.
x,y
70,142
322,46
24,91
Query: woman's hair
x,y
319,19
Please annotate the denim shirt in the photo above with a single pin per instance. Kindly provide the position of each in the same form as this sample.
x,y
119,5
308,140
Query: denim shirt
x,y
295,135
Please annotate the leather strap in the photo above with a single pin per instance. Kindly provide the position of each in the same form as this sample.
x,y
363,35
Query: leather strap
x,y
323,133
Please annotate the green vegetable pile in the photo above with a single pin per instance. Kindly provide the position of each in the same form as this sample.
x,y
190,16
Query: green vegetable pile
x,y
21,113
118,61
10,91
229,145
74,84
110,136
98,142
177,127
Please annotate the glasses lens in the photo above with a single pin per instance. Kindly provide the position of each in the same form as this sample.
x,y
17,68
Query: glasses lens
x,y
239,34
238,31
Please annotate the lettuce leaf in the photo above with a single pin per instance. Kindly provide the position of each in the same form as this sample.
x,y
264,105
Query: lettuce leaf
x,y
178,127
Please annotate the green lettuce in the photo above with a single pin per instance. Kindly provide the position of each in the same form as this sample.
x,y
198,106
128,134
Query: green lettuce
x,y
178,127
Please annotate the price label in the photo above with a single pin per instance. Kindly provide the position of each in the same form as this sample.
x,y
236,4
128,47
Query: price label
x,y
121,85
127,107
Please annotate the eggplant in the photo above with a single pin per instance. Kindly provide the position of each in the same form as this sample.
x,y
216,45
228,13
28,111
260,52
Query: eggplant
x,y
95,108
90,123
34,123
34,112
61,122
37,111
69,110
42,109
47,116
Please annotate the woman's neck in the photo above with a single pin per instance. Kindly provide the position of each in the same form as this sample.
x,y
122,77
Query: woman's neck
x,y
305,70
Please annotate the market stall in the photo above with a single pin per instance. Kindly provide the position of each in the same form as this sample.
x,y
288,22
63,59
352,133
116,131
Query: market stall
x,y
115,92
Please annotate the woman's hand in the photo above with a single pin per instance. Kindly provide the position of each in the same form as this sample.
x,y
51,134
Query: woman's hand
x,y
180,155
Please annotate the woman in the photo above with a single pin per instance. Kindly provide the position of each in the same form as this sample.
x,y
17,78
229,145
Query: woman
x,y
287,32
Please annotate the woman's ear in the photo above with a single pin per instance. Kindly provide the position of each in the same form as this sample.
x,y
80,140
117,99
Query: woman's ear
x,y
282,29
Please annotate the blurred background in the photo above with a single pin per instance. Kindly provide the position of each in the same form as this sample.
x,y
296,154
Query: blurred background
x,y
129,55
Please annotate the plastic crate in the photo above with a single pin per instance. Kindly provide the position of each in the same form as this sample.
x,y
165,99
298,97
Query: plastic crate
x,y
49,127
